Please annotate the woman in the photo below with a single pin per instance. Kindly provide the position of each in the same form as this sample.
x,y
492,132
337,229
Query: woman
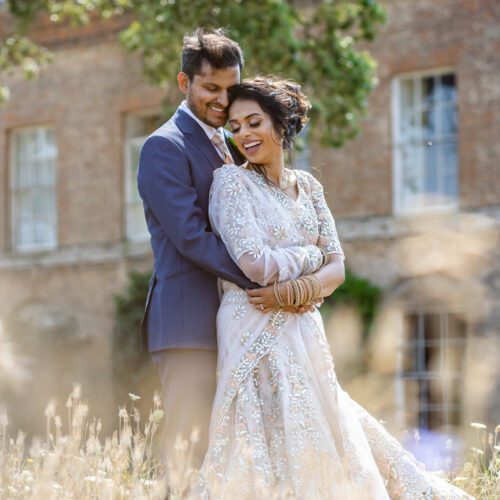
x,y
281,424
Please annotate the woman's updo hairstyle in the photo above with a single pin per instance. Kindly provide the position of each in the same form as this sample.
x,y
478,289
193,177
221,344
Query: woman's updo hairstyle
x,y
281,99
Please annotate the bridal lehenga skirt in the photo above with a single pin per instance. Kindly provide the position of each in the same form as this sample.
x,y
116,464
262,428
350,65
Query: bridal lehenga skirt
x,y
282,427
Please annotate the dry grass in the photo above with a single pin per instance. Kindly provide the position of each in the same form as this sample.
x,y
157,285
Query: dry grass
x,y
480,476
78,463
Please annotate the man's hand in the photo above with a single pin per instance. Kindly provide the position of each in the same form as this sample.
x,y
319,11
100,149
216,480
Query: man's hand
x,y
264,299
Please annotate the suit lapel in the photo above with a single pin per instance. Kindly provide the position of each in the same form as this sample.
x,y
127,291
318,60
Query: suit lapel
x,y
197,138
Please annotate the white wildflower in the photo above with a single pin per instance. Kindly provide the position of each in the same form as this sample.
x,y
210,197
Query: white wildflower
x,y
195,435
77,391
50,410
158,415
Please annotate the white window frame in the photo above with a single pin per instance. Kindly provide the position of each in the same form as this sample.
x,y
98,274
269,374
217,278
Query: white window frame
x,y
442,375
130,182
397,174
50,244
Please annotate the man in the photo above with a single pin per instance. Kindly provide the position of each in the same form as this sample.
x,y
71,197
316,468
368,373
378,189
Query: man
x,y
174,177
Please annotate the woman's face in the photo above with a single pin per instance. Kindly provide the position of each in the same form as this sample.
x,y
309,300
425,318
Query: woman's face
x,y
253,132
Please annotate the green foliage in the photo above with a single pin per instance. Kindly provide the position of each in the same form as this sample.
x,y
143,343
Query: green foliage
x,y
18,51
131,364
362,293
315,45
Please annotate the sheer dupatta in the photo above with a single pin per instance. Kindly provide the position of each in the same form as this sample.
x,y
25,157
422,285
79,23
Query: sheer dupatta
x,y
282,427
270,236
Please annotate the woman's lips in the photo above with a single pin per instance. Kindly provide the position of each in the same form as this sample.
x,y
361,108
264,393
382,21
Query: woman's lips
x,y
250,148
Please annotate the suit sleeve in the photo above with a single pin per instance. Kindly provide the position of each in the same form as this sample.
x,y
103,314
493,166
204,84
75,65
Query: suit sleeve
x,y
165,183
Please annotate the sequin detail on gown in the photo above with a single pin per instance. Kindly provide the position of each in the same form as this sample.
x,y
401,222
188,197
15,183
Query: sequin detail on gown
x,y
282,427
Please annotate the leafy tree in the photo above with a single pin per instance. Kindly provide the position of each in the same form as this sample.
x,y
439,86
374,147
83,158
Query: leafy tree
x,y
315,44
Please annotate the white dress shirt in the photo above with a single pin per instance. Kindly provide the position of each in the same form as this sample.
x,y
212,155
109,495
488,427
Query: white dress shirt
x,y
209,130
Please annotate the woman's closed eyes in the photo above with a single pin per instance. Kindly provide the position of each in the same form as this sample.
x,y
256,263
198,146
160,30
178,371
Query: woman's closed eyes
x,y
235,129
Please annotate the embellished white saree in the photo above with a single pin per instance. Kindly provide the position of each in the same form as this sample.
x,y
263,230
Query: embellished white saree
x,y
282,427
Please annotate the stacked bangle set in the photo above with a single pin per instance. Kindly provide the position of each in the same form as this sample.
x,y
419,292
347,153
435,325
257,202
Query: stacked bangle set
x,y
302,291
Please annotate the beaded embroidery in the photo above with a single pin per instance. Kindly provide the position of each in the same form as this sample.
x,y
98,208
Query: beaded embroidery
x,y
282,427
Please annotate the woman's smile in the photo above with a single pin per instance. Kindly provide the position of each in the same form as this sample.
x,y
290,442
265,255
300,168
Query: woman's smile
x,y
251,147
254,133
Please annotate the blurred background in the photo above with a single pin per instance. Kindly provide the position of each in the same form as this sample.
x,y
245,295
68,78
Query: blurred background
x,y
414,187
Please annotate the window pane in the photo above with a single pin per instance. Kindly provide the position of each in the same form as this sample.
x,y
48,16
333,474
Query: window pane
x,y
134,196
428,90
429,124
24,205
138,129
407,95
447,88
427,169
431,169
410,127
411,172
432,369
450,168
449,120
33,189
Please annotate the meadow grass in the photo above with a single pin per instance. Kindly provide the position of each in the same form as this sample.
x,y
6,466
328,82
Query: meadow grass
x,y
80,464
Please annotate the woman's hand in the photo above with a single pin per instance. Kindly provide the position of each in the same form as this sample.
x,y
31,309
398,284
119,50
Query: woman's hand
x,y
264,299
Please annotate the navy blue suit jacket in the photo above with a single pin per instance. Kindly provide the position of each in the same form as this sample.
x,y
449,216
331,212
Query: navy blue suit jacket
x,y
174,178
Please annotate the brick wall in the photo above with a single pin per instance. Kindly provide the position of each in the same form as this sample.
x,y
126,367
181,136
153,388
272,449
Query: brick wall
x,y
420,35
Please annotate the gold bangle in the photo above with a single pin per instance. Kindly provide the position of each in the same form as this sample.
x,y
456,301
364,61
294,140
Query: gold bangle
x,y
303,290
311,287
310,290
324,260
296,292
300,298
317,290
316,285
277,293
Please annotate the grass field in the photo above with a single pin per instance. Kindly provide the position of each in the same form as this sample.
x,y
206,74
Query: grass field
x,y
75,461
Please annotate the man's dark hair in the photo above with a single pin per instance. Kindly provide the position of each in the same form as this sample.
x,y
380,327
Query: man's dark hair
x,y
215,47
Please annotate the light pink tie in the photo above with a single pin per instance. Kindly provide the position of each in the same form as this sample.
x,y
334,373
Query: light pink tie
x,y
220,144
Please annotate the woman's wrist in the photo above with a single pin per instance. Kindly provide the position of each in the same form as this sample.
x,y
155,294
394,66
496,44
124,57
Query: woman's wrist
x,y
303,291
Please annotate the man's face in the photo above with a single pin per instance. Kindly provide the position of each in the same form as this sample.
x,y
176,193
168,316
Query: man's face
x,y
207,93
